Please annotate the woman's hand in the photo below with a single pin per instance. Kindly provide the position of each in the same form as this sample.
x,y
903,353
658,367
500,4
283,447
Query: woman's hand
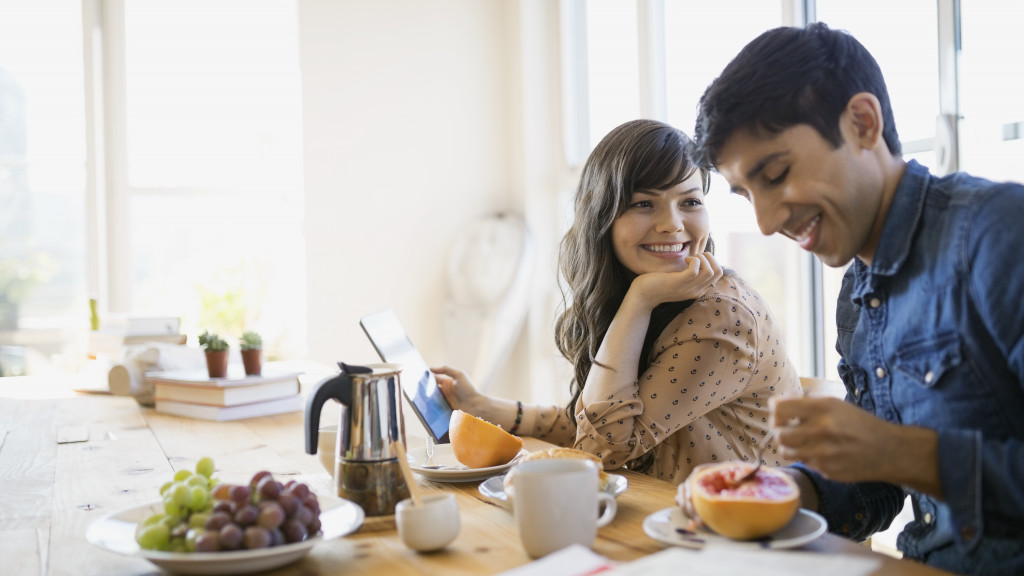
x,y
458,389
461,394
701,272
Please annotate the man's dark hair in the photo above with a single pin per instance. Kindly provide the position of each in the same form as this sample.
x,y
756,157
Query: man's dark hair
x,y
789,76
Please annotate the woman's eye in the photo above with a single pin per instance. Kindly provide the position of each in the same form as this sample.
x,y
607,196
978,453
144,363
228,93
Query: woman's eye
x,y
641,204
691,202
778,179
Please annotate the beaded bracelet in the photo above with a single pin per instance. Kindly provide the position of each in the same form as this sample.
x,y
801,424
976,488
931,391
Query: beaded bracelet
x,y
519,418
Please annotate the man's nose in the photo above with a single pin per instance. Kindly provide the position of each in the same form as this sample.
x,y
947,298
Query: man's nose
x,y
771,215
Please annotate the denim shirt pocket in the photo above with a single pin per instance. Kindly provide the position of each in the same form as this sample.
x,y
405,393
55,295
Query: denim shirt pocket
x,y
926,361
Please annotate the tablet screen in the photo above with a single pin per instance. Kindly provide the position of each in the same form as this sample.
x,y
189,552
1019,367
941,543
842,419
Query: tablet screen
x,y
418,384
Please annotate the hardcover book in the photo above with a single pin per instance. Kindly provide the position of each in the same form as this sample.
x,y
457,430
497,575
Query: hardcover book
x,y
224,413
225,395
236,376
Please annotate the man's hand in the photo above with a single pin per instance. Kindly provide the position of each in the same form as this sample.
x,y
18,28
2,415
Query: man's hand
x,y
848,444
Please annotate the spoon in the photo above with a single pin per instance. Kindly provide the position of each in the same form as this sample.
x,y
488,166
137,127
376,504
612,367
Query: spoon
x,y
429,464
760,455
410,481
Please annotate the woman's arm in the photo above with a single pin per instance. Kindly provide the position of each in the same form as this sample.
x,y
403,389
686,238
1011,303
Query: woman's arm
x,y
706,358
618,356
547,423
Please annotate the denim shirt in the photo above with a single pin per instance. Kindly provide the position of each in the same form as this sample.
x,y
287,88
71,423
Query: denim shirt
x,y
931,334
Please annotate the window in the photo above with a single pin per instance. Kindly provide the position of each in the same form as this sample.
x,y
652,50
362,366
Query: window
x,y
42,185
905,44
696,53
179,193
214,166
682,57
991,75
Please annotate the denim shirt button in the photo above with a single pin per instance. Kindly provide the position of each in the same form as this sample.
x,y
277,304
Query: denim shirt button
x,y
875,302
928,518
880,372
929,376
967,532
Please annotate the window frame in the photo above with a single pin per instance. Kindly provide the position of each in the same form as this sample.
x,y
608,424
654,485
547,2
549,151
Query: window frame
x,y
651,35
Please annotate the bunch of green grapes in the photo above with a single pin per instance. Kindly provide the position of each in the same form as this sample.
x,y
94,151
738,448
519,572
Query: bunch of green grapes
x,y
204,515
187,504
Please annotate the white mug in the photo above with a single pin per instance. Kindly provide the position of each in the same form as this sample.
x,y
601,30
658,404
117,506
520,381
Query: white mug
x,y
430,526
557,503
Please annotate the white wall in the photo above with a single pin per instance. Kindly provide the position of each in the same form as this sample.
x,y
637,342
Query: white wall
x,y
413,121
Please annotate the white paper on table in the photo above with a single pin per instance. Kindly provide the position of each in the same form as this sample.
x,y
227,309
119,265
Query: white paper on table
x,y
728,561
574,560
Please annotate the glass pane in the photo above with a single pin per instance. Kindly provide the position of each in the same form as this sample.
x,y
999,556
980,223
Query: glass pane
x,y
991,83
905,44
698,45
612,65
215,141
43,300
695,54
213,99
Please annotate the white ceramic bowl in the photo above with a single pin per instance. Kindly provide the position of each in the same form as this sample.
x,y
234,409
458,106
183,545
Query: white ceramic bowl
x,y
430,526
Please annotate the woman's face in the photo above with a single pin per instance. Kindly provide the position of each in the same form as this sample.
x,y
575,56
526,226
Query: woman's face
x,y
660,228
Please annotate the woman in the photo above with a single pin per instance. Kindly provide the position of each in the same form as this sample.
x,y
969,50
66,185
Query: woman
x,y
674,359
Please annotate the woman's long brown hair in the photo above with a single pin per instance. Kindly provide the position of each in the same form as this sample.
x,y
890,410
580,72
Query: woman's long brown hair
x,y
637,155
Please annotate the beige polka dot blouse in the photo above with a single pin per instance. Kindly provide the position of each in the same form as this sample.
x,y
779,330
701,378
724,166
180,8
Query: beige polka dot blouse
x,y
704,397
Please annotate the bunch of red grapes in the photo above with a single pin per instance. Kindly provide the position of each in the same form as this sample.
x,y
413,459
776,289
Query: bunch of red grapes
x,y
265,513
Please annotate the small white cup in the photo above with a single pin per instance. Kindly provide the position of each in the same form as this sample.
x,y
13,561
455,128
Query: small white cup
x,y
557,504
429,526
326,444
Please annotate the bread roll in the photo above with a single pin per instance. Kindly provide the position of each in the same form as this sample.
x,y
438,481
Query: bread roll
x,y
557,452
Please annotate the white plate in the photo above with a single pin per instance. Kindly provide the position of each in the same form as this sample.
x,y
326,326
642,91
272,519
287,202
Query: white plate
x,y
494,488
669,526
116,533
450,469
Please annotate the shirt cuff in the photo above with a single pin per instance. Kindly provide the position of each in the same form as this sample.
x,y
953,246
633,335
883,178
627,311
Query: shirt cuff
x,y
960,477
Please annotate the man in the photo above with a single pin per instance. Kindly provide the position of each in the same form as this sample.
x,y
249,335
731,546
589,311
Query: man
x,y
930,318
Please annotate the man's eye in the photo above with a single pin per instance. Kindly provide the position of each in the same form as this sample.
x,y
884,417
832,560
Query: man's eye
x,y
778,179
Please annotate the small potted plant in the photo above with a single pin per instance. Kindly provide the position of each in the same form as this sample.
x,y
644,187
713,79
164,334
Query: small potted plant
x,y
216,349
251,344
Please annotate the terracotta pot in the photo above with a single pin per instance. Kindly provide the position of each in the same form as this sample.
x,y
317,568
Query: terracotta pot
x,y
217,363
253,361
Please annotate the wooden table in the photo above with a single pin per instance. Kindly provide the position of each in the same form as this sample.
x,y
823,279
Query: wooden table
x,y
51,490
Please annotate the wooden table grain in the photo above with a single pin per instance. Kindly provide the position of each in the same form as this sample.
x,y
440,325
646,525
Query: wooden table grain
x,y
68,459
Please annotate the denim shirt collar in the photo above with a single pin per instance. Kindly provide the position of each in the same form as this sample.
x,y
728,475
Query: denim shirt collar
x,y
898,232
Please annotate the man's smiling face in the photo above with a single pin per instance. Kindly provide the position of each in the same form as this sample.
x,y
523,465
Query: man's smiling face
x,y
828,200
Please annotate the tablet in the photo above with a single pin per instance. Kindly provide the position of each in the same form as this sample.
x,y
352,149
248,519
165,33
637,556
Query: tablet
x,y
418,384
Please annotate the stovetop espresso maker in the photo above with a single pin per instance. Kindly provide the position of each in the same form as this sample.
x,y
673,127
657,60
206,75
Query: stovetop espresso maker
x,y
366,468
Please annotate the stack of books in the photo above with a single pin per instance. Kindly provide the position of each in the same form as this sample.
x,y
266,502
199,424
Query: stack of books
x,y
194,394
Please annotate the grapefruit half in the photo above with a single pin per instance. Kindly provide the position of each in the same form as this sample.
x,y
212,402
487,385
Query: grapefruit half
x,y
754,509
477,443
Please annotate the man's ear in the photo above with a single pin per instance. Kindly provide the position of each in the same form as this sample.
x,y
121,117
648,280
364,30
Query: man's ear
x,y
864,115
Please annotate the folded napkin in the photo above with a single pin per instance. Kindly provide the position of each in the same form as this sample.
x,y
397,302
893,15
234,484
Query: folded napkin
x,y
128,377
